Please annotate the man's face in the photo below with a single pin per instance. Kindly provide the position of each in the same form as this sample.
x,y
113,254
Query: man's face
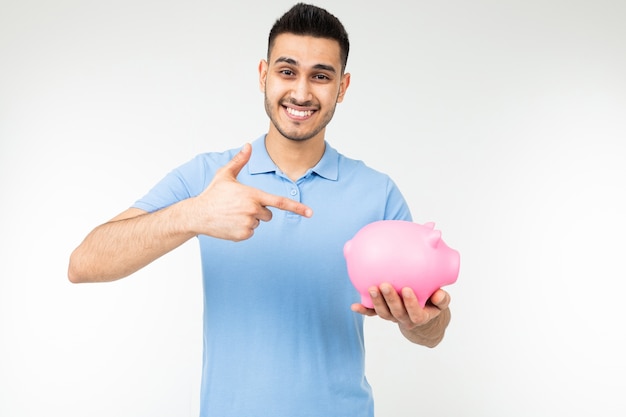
x,y
302,82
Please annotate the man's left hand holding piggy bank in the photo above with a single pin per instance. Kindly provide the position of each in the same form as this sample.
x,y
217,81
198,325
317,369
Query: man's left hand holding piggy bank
x,y
424,326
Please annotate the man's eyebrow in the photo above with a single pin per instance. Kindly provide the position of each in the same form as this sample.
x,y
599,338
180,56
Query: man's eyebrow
x,y
286,60
325,67
292,61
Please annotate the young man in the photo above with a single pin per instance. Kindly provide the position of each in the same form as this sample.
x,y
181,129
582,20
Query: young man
x,y
279,336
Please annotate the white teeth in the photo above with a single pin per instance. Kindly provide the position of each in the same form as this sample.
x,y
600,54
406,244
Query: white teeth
x,y
299,113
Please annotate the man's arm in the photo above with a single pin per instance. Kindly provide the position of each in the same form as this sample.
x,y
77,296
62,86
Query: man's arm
x,y
126,244
424,326
226,209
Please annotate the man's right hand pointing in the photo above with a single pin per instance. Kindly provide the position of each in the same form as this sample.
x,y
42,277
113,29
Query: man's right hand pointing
x,y
227,209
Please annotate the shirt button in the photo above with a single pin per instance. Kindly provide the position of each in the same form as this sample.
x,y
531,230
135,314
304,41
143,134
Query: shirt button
x,y
293,192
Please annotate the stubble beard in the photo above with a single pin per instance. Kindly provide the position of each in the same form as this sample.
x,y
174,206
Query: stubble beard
x,y
293,136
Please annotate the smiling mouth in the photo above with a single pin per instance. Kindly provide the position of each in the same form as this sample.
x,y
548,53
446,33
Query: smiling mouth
x,y
299,113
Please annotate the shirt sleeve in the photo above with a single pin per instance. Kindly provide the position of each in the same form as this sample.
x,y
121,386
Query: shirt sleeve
x,y
188,180
396,208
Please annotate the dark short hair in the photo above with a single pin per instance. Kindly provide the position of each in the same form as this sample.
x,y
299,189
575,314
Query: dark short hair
x,y
308,20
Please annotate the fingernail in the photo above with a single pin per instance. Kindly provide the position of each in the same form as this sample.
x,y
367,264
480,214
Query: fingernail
x,y
373,293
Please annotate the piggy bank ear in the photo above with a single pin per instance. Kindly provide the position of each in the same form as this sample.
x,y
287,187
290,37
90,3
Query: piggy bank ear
x,y
434,238
430,225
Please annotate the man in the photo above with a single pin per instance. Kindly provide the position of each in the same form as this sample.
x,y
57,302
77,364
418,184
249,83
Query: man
x,y
271,220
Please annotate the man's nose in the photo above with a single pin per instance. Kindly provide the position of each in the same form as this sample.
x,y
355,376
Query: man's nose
x,y
301,92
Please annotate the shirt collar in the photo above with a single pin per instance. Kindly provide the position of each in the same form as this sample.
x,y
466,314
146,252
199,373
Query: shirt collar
x,y
261,163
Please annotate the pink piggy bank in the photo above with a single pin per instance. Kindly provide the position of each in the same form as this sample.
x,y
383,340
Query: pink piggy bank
x,y
402,253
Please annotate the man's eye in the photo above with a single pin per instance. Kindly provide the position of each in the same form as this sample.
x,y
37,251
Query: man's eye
x,y
321,77
286,72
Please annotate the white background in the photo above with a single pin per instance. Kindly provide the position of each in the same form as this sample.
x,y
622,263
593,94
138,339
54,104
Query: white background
x,y
502,121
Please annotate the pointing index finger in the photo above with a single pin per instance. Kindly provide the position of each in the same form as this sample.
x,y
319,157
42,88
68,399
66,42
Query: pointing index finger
x,y
284,203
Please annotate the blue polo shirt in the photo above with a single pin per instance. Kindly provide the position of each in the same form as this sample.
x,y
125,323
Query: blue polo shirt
x,y
280,339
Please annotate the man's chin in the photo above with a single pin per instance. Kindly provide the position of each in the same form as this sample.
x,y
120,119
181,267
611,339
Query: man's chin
x,y
298,136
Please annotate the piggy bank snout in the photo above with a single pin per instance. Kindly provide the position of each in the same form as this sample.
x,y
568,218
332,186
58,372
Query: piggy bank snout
x,y
451,267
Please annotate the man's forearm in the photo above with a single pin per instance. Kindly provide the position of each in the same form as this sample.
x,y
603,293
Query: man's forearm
x,y
124,245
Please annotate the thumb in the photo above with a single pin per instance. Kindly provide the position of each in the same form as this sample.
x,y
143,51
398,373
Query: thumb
x,y
234,166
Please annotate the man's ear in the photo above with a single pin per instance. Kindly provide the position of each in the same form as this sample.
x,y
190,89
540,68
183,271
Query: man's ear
x,y
262,74
343,86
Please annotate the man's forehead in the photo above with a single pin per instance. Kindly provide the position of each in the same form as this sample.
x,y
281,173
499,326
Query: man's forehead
x,y
305,50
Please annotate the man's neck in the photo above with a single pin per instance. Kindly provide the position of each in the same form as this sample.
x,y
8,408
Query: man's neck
x,y
294,158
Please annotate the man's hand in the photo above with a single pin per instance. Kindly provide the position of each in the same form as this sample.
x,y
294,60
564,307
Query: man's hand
x,y
425,326
227,209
